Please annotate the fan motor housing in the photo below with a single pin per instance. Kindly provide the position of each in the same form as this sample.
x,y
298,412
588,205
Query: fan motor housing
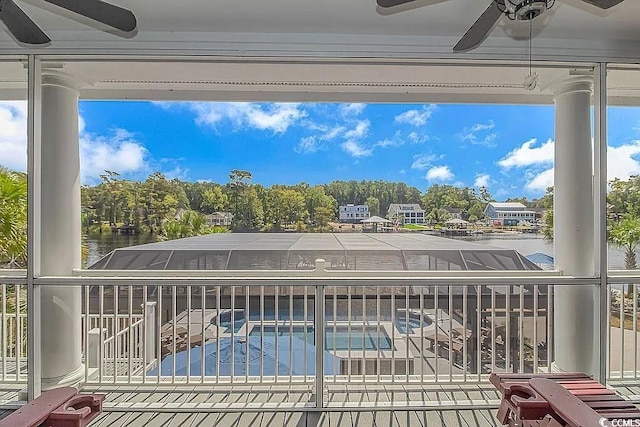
x,y
524,10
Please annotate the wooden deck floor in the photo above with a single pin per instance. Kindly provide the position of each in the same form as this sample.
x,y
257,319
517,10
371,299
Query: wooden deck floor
x,y
349,419
259,406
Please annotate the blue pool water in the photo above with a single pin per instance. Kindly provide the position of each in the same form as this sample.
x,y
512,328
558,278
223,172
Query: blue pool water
x,y
226,320
342,336
414,322
340,339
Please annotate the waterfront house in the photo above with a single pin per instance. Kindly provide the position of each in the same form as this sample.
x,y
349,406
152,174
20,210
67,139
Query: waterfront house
x,y
509,214
353,213
220,219
410,213
456,213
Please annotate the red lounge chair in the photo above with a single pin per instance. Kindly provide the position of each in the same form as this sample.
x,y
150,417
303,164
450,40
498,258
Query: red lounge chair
x,y
61,407
554,400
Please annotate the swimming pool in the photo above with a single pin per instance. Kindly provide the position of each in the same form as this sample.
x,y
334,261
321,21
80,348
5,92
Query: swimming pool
x,y
224,320
342,338
415,322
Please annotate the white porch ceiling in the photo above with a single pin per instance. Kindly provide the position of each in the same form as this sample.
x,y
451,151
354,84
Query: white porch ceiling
x,y
294,80
327,50
339,28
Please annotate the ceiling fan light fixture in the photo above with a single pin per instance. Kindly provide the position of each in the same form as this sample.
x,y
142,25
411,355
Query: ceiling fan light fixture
x,y
523,10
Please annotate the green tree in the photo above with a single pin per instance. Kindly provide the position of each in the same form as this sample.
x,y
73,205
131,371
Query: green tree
x,y
189,224
324,215
374,205
546,202
485,196
13,219
439,197
213,200
161,199
625,234
239,182
547,221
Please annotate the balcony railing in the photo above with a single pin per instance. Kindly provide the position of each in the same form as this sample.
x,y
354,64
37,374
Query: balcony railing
x,y
317,330
13,328
623,341
271,334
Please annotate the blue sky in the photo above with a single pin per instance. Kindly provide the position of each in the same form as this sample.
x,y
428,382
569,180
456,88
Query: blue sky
x,y
508,148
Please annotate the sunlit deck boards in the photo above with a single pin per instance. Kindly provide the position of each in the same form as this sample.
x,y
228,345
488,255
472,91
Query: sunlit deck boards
x,y
466,418
348,405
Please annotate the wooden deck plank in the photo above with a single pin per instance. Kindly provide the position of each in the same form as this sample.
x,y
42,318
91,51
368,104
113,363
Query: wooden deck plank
x,y
363,419
108,419
234,420
453,419
408,419
473,418
338,419
490,417
385,419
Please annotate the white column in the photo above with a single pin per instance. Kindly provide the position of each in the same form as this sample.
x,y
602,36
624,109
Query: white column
x,y
576,348
60,230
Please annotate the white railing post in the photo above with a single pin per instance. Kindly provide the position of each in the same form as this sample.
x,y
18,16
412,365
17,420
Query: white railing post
x,y
150,331
318,330
95,339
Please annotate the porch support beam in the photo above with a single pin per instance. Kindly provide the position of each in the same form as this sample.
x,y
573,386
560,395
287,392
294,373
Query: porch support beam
x,y
575,307
60,230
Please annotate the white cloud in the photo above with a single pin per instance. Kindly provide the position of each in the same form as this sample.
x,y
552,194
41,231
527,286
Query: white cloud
x,y
395,141
177,172
424,161
275,117
353,109
118,152
416,138
332,133
540,182
13,135
527,155
439,173
483,126
482,180
479,130
326,132
360,131
309,145
355,149
416,117
621,162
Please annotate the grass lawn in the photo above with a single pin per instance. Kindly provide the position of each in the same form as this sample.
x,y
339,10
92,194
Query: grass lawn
x,y
414,227
628,322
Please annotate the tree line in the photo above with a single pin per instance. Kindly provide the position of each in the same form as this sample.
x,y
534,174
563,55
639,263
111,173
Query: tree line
x,y
173,208
159,203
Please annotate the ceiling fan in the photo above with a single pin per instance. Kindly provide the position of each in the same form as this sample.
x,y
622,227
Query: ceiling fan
x,y
517,10
26,31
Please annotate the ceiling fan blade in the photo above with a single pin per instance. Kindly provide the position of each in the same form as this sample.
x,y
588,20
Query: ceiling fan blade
x,y
603,4
108,14
392,3
480,29
20,25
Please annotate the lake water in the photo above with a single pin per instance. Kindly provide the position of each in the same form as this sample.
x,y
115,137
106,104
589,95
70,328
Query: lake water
x,y
528,244
100,245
